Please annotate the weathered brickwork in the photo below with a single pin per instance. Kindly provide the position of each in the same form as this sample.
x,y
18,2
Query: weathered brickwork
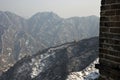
x,y
109,46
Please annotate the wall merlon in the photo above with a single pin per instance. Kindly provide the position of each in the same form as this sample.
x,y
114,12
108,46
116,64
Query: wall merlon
x,y
109,40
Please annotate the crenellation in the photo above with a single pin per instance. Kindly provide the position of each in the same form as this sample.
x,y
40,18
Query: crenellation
x,y
109,46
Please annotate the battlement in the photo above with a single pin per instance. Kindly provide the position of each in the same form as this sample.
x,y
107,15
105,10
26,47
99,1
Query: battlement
x,y
109,46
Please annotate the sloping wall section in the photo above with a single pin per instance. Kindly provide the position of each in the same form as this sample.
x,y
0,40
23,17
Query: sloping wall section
x,y
110,40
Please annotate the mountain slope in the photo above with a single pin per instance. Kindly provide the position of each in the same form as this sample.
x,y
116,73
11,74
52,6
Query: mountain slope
x,y
55,63
20,36
53,30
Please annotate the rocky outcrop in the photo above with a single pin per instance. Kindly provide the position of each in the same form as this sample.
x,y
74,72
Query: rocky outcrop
x,y
55,63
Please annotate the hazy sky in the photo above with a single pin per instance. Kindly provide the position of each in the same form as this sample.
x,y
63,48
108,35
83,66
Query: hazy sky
x,y
64,8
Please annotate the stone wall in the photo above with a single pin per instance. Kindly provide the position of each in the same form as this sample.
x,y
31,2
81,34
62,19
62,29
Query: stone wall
x,y
109,46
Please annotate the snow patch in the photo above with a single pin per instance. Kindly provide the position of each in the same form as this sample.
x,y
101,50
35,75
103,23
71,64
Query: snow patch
x,y
90,73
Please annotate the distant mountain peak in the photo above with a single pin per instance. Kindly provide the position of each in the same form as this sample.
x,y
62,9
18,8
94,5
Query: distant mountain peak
x,y
45,15
10,14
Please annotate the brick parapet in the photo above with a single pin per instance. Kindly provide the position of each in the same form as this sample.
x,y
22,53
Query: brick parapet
x,y
109,46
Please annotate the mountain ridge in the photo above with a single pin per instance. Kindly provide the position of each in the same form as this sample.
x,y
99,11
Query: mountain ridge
x,y
37,13
55,63
22,36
